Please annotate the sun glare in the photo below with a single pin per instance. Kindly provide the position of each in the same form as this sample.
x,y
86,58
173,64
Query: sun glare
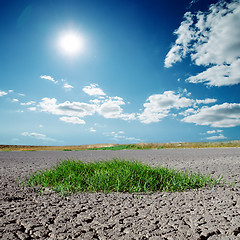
x,y
70,43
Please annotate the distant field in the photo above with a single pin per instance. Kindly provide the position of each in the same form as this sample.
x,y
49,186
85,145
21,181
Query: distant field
x,y
121,146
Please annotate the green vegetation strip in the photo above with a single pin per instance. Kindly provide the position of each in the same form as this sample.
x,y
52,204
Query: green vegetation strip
x,y
116,175
120,147
168,145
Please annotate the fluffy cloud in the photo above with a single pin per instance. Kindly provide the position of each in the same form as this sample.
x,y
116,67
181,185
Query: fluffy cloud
x,y
167,100
224,115
73,109
28,103
185,35
159,105
72,112
212,40
35,135
38,136
211,132
206,101
214,131
73,120
2,93
67,86
149,116
110,108
219,137
32,109
48,78
93,90
219,75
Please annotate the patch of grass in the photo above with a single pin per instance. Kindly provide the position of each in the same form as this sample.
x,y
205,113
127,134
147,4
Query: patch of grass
x,y
116,175
66,149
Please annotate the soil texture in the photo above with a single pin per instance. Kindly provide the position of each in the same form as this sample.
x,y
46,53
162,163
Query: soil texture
x,y
193,214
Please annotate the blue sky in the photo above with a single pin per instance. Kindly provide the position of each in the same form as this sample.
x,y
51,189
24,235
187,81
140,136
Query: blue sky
x,y
110,71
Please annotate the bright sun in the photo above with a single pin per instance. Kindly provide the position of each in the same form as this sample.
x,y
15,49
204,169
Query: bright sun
x,y
70,43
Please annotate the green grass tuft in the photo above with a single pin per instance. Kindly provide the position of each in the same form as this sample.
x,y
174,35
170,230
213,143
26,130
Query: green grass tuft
x,y
116,175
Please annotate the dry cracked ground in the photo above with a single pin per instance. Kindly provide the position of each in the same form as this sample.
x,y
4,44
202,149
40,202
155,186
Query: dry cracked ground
x,y
193,214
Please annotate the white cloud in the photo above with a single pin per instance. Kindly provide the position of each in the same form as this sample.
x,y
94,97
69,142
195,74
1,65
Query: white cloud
x,y
73,109
15,100
188,111
92,129
185,35
2,93
38,136
10,91
224,115
212,40
28,103
219,137
218,35
214,131
67,86
95,101
159,105
149,116
21,94
206,101
219,75
32,108
48,78
93,90
133,139
111,109
211,132
116,137
73,120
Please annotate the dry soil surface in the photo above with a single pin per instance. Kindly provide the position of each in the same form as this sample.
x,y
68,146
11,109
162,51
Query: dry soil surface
x,y
194,214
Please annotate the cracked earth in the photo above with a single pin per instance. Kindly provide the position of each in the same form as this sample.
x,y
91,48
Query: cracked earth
x,y
193,214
